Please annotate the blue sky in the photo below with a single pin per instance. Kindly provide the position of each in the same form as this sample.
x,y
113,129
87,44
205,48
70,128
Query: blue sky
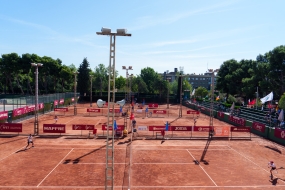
x,y
166,34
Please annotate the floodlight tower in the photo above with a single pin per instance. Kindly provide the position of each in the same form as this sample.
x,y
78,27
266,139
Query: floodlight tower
x,y
212,71
109,171
75,98
127,83
36,123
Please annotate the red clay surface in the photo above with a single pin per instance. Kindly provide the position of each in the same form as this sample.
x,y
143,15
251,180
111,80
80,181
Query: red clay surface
x,y
73,161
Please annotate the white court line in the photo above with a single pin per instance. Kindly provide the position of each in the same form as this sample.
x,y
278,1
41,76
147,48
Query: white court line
x,y
12,153
179,149
161,163
54,167
70,120
98,122
92,163
203,169
251,161
141,187
179,145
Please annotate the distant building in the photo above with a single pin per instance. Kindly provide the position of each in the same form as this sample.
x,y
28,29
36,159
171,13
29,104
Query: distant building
x,y
203,80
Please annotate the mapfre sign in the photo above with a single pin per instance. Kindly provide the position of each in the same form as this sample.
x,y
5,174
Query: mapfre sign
x,y
159,111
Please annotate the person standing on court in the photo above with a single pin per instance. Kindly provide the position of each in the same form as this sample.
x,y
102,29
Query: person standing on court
x,y
30,140
55,119
272,167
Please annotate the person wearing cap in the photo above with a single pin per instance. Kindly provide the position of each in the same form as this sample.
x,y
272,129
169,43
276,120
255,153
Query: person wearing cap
x,y
272,167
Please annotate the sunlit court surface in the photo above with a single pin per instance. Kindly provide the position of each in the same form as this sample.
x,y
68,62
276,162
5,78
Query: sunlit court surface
x,y
77,160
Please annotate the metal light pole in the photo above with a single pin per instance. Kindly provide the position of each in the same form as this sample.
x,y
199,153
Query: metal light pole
x,y
36,123
109,171
90,90
75,98
212,94
127,74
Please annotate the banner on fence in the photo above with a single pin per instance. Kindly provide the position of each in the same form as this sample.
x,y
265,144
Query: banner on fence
x,y
237,120
201,128
193,112
55,102
152,106
223,131
116,110
180,128
142,128
240,129
54,128
61,109
61,101
159,111
11,127
94,110
3,115
156,128
279,133
258,126
221,114
119,127
83,127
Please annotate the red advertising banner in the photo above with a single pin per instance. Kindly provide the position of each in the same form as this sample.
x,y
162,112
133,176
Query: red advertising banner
x,y
61,101
237,120
180,128
279,133
193,112
3,115
96,110
221,114
151,106
11,127
18,111
31,108
41,106
72,99
120,127
61,109
54,128
223,131
240,129
258,126
116,110
201,128
83,127
156,128
159,111
55,102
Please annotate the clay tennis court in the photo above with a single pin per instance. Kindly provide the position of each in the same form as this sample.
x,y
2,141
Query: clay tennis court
x,y
75,160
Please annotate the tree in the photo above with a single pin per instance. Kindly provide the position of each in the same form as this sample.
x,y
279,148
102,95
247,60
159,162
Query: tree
x,y
281,103
149,76
120,83
83,77
101,77
201,92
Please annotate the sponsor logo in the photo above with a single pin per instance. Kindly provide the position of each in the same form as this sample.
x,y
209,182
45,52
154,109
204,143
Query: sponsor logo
x,y
283,134
4,115
258,127
180,128
159,111
54,128
87,127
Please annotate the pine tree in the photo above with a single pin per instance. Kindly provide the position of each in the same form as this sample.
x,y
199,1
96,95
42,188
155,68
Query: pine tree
x,y
83,77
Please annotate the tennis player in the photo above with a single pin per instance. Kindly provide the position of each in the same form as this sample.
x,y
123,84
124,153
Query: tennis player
x,y
30,140
272,167
55,119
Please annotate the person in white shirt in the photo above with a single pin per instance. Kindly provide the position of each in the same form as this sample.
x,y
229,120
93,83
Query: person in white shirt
x,y
272,167
30,140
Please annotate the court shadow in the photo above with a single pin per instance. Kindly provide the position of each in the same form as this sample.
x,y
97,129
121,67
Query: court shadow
x,y
67,161
274,181
274,149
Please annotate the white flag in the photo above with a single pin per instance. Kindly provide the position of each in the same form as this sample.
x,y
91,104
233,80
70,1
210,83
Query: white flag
x,y
267,98
193,92
281,116
233,106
